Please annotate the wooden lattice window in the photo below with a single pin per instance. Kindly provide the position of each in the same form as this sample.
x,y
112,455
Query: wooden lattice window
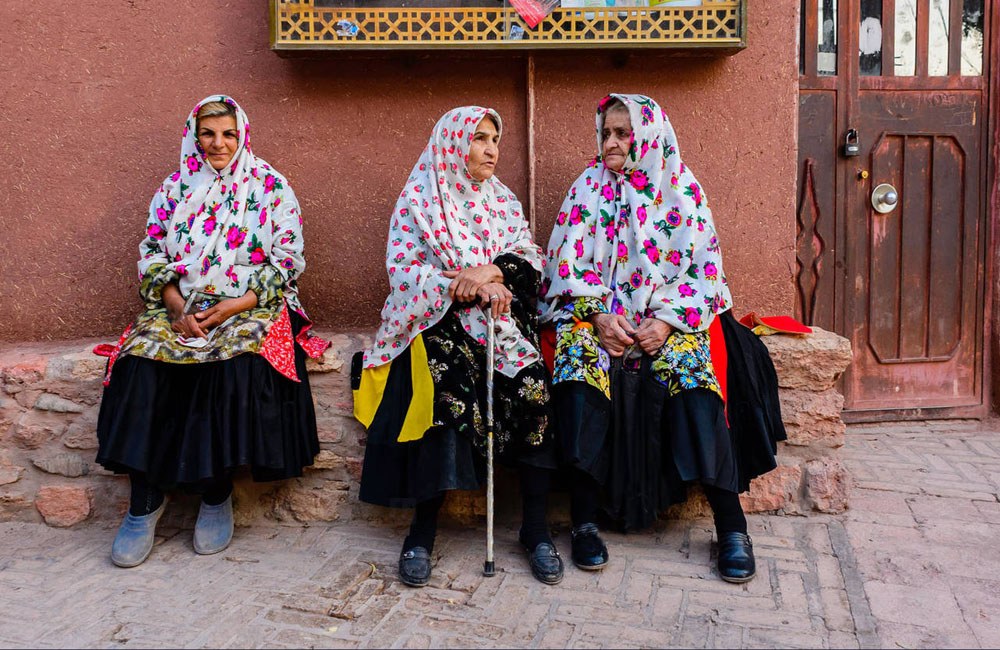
x,y
466,24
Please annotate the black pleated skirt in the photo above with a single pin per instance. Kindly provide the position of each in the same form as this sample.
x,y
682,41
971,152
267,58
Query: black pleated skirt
x,y
188,425
402,474
646,447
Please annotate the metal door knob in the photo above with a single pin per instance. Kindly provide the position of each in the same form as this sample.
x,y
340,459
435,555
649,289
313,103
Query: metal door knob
x,y
884,198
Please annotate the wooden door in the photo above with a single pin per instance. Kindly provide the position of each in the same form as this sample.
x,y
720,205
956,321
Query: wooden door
x,y
906,282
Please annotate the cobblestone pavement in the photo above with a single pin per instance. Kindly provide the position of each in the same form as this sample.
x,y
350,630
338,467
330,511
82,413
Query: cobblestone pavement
x,y
905,567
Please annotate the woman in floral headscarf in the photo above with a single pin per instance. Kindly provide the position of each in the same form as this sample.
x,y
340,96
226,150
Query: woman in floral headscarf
x,y
646,347
211,376
458,246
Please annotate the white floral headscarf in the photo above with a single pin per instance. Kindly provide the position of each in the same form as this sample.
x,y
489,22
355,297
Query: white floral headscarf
x,y
642,240
214,228
446,220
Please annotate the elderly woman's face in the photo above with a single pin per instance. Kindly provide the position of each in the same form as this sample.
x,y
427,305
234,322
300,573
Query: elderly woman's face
x,y
616,137
219,139
485,150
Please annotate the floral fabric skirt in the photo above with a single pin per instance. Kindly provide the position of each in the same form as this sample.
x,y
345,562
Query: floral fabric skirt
x,y
450,455
654,436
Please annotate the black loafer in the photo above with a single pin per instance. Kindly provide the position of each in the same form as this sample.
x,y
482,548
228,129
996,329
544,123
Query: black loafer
x,y
736,562
415,566
589,551
545,563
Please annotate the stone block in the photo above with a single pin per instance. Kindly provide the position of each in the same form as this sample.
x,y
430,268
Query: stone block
x,y
813,418
812,362
335,467
36,428
301,501
82,432
50,402
327,459
779,489
62,463
828,485
331,361
64,505
9,472
76,366
695,507
20,368
464,507
15,506
26,397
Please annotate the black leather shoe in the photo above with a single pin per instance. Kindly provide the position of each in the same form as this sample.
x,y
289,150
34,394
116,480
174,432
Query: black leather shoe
x,y
736,562
545,563
415,566
589,551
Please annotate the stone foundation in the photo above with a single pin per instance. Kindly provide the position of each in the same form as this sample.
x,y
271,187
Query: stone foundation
x,y
51,393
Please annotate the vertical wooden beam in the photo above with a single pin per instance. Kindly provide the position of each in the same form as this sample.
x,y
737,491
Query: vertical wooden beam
x,y
532,177
809,40
991,69
888,38
923,36
955,37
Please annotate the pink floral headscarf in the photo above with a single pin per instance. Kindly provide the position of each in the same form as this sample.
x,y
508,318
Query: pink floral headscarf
x,y
642,240
446,220
215,229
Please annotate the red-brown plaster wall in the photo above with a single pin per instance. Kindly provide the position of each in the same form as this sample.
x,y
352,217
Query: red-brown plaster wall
x,y
96,93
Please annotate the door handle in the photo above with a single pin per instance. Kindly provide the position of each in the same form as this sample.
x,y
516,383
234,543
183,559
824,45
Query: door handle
x,y
884,198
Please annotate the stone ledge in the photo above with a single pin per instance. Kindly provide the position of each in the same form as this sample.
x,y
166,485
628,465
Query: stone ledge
x,y
50,392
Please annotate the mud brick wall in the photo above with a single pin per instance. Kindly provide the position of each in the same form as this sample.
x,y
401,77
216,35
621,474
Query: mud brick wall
x,y
51,393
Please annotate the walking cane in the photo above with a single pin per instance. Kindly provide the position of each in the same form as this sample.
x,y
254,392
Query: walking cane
x,y
489,568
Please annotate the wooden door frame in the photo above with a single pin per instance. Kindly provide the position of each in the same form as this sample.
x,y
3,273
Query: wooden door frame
x,y
848,97
991,388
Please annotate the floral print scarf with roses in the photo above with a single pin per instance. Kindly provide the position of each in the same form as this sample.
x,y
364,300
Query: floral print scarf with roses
x,y
446,220
213,229
641,240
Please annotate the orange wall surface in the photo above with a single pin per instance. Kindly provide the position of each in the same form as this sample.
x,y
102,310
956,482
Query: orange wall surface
x,y
96,92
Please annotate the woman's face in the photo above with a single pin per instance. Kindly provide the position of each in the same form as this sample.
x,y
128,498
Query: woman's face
x,y
617,138
485,150
219,138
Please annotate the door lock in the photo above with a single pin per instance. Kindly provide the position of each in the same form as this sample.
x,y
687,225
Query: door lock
x,y
852,144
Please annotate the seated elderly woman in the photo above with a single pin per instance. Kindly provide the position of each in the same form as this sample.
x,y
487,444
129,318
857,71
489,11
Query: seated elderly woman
x,y
211,376
646,347
458,246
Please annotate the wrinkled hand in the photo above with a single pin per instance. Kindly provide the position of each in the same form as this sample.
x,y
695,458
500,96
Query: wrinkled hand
x,y
188,326
614,332
466,283
219,313
497,296
184,324
651,334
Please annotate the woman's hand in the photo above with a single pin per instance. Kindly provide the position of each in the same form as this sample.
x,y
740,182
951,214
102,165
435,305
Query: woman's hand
x,y
614,332
466,283
184,324
223,310
497,296
651,335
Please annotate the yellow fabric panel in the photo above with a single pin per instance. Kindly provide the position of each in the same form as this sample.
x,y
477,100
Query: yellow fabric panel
x,y
420,415
369,395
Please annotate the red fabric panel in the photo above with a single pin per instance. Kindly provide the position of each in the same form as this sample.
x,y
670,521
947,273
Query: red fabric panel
x,y
279,346
548,336
720,358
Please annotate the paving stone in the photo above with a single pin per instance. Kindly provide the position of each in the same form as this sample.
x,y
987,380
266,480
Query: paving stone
x,y
898,635
915,606
902,567
979,601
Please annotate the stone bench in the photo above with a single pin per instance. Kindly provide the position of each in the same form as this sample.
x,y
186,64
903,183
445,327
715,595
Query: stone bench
x,y
51,393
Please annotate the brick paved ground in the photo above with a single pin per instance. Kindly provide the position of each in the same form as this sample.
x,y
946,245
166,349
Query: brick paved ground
x,y
905,567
